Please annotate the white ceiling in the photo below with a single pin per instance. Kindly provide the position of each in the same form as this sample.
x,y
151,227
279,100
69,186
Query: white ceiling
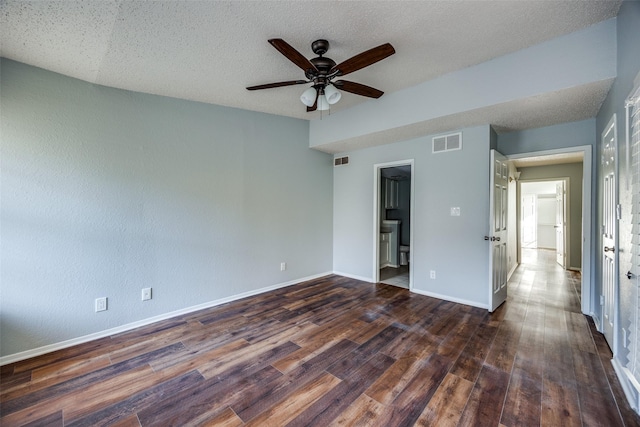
x,y
209,51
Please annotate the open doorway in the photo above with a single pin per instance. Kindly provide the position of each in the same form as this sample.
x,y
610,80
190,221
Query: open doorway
x,y
545,217
576,164
393,210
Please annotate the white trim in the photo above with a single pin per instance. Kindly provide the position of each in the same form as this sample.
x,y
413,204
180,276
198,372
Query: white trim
x,y
596,321
376,217
588,283
629,384
16,357
354,276
451,299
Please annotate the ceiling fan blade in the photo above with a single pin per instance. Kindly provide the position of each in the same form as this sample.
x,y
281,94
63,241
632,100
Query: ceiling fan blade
x,y
279,84
314,107
293,55
364,59
358,89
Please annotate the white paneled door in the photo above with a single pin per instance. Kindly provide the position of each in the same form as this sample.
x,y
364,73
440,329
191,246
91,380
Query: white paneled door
x,y
561,224
609,224
498,236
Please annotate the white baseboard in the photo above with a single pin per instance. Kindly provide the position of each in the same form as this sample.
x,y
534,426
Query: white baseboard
x,y
11,358
353,276
596,321
629,384
451,299
512,270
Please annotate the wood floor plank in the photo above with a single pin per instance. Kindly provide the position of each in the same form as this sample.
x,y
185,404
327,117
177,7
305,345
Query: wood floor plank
x,y
338,399
505,345
485,404
226,418
205,400
579,335
124,409
338,351
560,405
286,410
523,402
52,420
345,366
364,412
252,404
390,384
446,406
410,403
81,383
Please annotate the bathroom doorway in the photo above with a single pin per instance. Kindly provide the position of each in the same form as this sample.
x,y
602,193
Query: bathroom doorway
x,y
393,212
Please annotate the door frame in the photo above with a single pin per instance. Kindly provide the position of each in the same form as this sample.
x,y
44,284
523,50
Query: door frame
x,y
377,179
588,288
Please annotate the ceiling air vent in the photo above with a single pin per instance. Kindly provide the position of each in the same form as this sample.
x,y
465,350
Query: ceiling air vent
x,y
447,142
340,161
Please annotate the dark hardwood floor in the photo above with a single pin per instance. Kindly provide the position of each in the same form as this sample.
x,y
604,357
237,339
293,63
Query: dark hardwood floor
x,y
336,351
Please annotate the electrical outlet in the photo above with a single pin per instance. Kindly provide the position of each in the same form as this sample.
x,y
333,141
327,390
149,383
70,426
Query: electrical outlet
x,y
283,266
146,294
101,304
432,274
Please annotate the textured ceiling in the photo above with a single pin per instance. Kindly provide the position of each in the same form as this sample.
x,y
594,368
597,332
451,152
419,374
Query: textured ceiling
x,y
209,51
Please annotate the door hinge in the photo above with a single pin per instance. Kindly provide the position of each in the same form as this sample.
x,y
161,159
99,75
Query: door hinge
x,y
601,299
618,211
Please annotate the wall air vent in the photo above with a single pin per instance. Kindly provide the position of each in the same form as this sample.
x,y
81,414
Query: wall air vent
x,y
340,161
449,142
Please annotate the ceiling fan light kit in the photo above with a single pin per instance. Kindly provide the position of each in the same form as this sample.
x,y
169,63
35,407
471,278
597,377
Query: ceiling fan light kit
x,y
308,97
322,70
332,94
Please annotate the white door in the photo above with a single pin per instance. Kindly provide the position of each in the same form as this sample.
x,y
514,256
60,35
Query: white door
x,y
529,221
498,236
609,235
561,224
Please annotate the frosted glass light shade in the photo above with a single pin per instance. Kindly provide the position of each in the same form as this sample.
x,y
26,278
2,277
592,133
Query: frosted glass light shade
x,y
323,105
308,97
332,94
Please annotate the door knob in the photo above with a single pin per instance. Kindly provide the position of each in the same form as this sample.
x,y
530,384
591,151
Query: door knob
x,y
496,239
609,249
486,237
629,275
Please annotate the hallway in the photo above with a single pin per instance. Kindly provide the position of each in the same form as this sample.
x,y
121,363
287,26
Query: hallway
x,y
562,367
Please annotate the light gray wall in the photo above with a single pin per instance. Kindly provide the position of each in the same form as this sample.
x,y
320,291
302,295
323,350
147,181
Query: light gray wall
x,y
452,246
105,192
564,135
573,171
628,66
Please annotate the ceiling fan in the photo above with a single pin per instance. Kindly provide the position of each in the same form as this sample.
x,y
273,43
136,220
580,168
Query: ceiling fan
x,y
322,70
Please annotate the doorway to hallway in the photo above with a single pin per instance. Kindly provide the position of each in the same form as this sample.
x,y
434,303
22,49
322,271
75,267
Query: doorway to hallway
x,y
545,217
575,163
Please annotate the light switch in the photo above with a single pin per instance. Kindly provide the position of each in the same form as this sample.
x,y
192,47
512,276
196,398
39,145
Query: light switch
x,y
455,211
